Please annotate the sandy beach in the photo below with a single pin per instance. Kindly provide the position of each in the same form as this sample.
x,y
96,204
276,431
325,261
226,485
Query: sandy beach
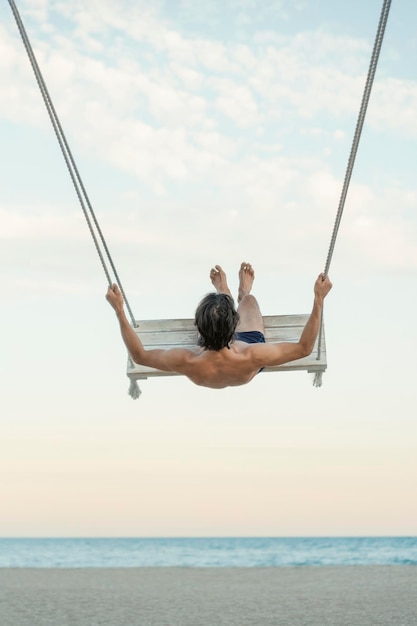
x,y
319,596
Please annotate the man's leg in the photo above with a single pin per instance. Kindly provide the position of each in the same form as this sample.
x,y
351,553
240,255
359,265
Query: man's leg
x,y
250,316
219,280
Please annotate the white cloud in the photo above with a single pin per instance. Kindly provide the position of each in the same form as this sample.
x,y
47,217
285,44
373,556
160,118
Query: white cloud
x,y
190,78
339,135
394,105
33,223
236,102
152,102
385,243
38,9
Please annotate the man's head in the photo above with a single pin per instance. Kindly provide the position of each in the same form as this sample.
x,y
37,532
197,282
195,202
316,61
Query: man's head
x,y
216,319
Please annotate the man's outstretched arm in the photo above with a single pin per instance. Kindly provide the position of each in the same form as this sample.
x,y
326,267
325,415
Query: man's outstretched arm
x,y
311,329
279,353
165,360
129,336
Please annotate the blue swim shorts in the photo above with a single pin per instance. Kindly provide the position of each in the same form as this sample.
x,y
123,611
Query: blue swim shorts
x,y
251,336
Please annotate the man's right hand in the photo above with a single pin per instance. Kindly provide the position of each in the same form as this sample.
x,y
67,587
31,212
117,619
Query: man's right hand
x,y
322,286
115,298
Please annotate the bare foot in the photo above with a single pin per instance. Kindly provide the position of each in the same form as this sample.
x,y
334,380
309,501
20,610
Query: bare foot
x,y
246,278
219,280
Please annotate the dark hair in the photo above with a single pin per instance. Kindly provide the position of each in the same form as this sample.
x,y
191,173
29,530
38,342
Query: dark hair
x,y
216,319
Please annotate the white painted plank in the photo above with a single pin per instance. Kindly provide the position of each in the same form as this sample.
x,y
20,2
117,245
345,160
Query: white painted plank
x,y
168,334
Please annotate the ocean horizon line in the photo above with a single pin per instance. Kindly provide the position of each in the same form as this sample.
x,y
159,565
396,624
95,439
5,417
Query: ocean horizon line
x,y
206,551
156,537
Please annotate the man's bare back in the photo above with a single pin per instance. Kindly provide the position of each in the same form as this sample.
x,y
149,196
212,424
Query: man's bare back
x,y
238,361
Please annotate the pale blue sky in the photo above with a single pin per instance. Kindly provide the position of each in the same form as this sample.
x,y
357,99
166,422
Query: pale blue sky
x,y
207,133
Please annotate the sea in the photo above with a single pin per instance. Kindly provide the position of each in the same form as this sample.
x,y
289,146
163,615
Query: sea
x,y
207,552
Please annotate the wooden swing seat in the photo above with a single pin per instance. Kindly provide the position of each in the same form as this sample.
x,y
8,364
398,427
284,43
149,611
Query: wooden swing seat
x,y
177,333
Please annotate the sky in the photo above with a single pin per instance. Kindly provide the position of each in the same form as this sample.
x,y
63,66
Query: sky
x,y
207,132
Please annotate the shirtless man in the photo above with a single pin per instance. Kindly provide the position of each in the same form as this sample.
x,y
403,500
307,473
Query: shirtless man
x,y
232,348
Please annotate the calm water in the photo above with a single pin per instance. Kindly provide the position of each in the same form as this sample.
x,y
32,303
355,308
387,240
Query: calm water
x,y
227,552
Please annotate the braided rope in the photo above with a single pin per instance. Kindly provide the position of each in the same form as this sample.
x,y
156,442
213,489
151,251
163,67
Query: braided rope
x,y
70,163
359,126
355,144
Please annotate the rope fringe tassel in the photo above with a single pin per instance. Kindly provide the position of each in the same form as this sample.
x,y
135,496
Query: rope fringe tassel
x,y
134,389
318,379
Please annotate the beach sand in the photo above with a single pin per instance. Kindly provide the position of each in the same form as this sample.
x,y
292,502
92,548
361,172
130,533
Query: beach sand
x,y
293,596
